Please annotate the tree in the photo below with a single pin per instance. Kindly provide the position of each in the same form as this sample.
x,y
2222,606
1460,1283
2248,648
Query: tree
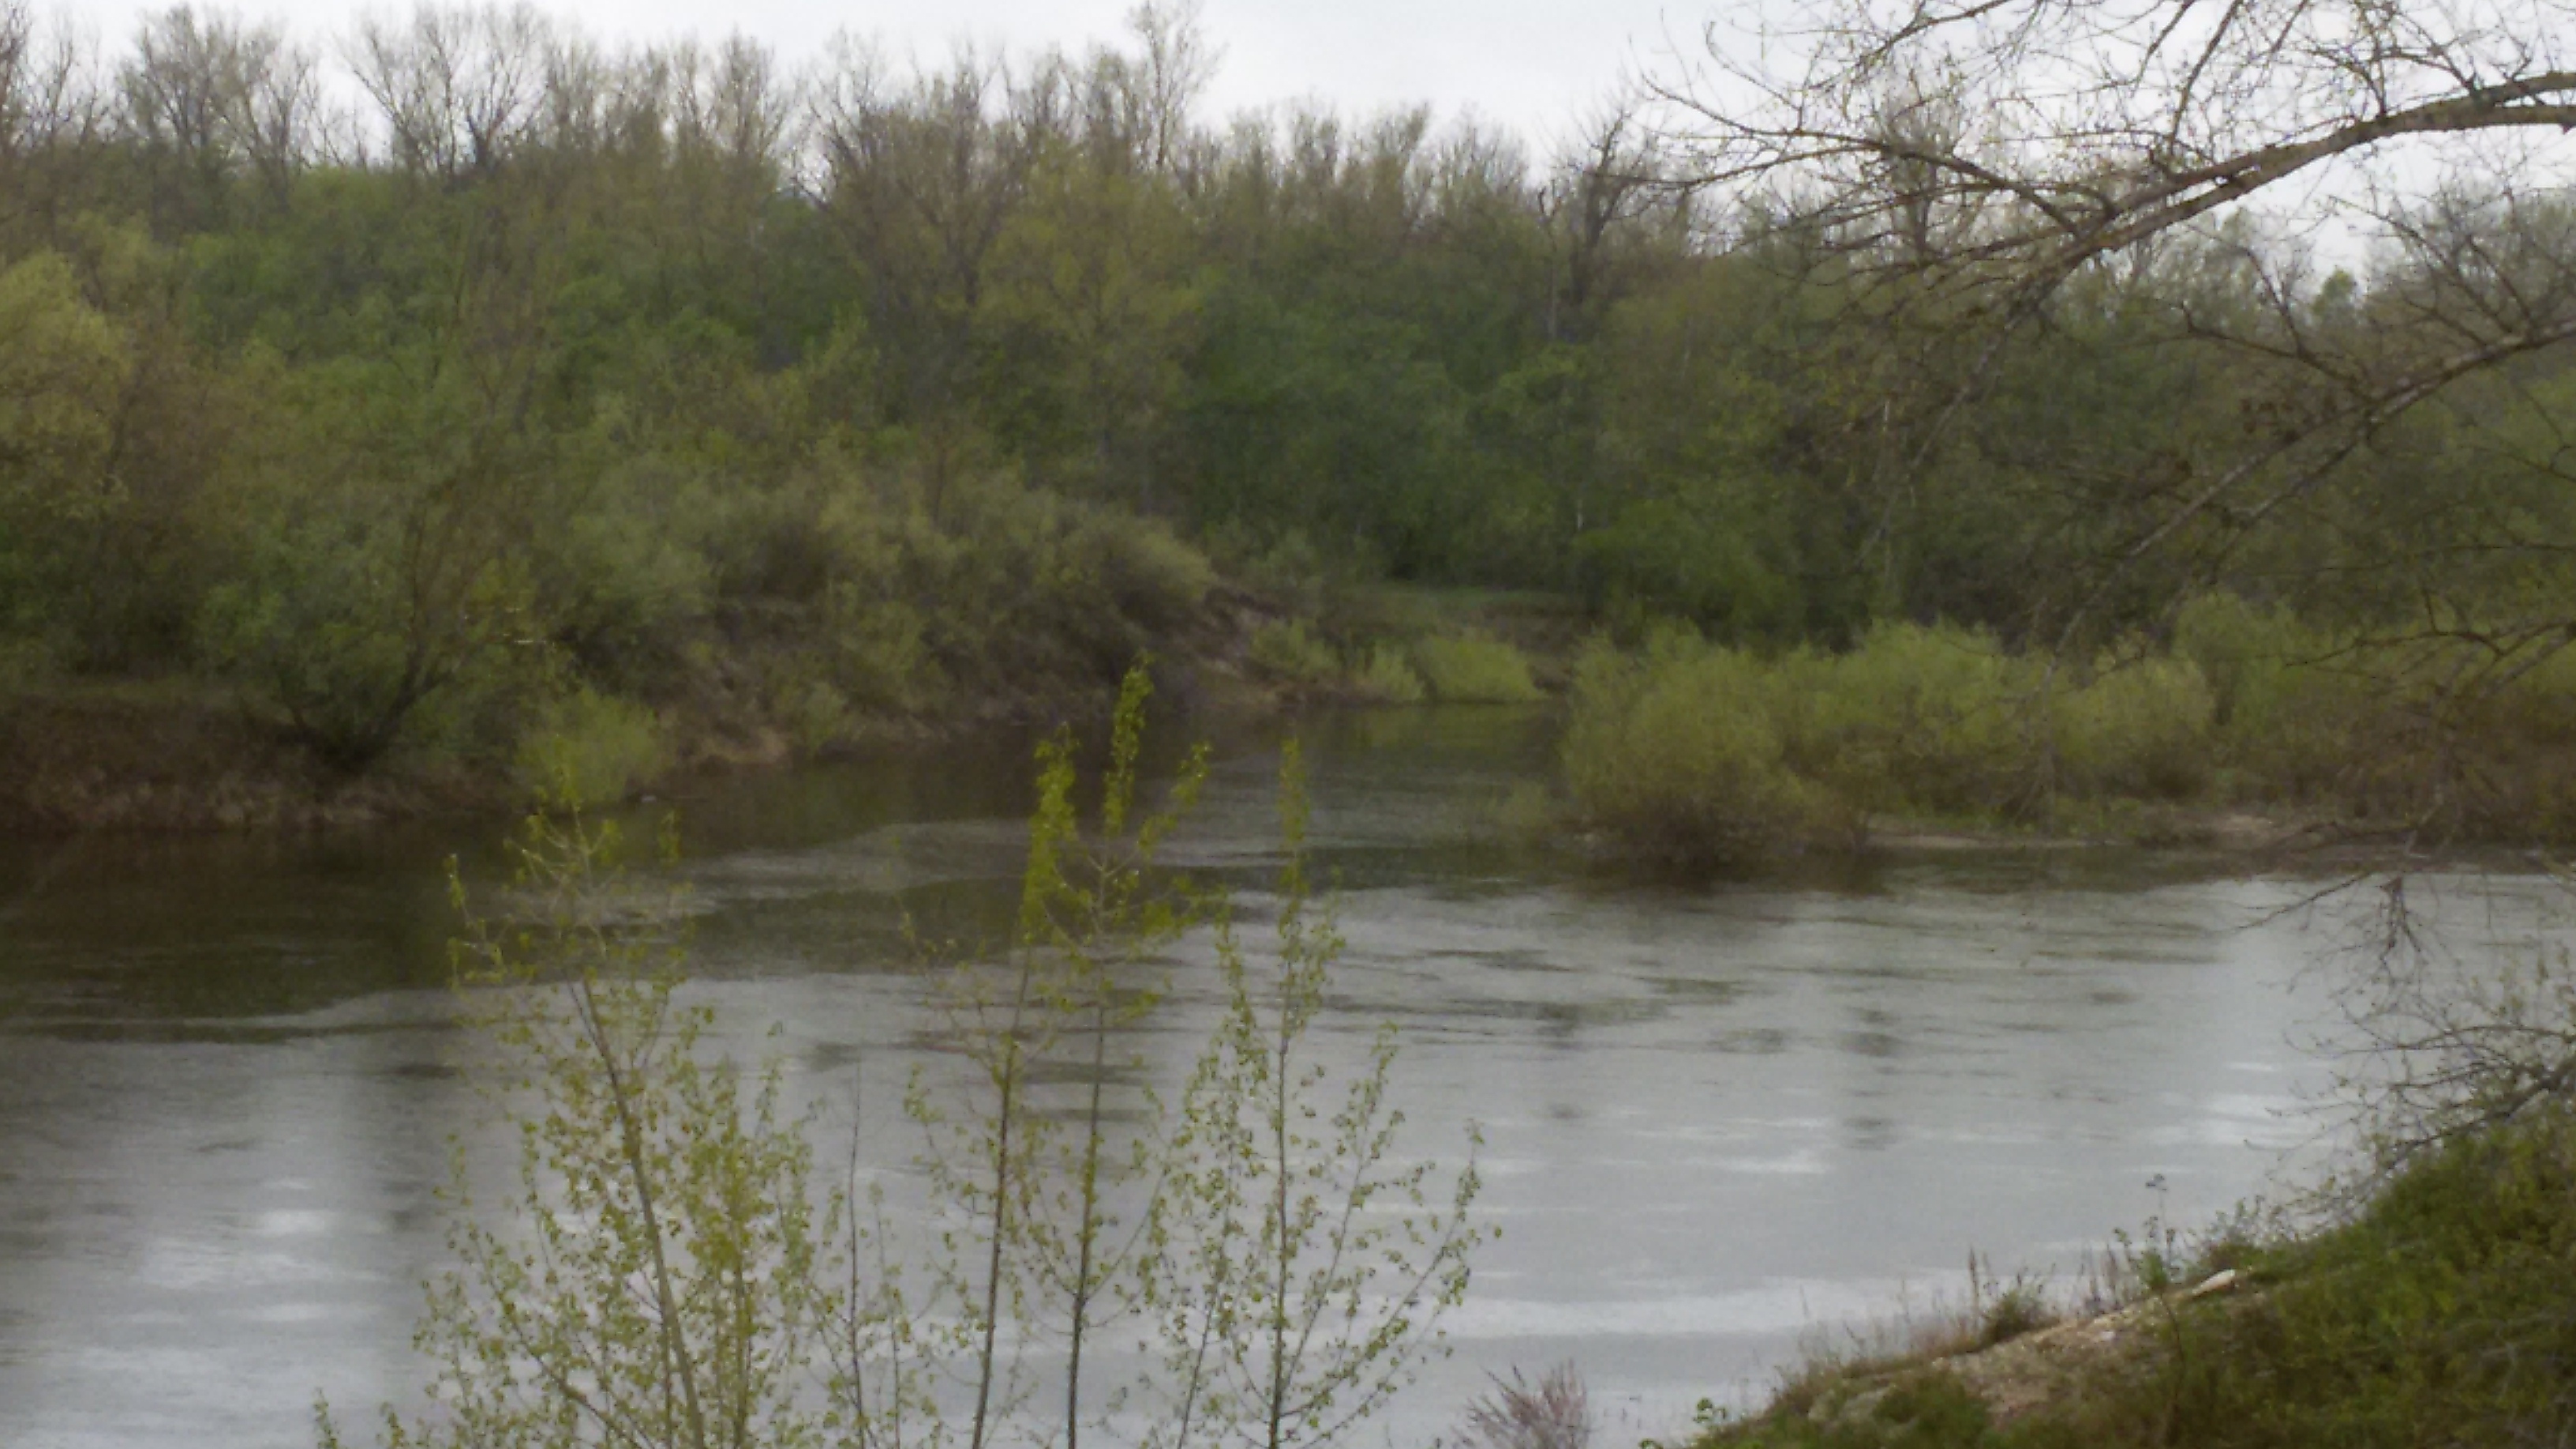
x,y
675,1278
1305,1266
1976,161
665,1279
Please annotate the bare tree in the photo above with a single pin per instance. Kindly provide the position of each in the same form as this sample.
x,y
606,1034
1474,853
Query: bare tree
x,y
1971,170
921,175
458,88
1613,178
53,114
2060,131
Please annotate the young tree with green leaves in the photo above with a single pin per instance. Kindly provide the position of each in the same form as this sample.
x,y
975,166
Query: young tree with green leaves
x,y
1305,1265
677,1278
663,1276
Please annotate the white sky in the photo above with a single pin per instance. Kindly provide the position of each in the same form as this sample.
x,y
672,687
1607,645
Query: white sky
x,y
1534,65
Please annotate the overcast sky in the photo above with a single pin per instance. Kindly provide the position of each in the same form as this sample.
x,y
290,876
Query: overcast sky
x,y
1535,65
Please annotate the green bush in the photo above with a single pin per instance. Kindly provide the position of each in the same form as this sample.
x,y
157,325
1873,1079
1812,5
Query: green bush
x,y
2290,710
1697,747
1384,678
1676,754
591,749
1475,671
1918,721
2144,730
1287,651
1149,574
1661,556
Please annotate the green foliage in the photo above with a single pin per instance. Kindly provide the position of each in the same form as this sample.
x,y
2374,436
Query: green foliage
x,y
1918,721
670,1274
2141,729
62,371
1287,651
587,748
1919,1411
391,441
1474,671
1689,749
1384,678
1662,555
1678,754
660,1274
2290,706
1306,1265
2440,1315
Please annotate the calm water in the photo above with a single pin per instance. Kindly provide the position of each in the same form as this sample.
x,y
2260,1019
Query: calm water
x,y
1715,1118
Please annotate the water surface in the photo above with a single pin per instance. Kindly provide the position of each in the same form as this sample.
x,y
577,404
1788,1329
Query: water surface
x,y
1715,1117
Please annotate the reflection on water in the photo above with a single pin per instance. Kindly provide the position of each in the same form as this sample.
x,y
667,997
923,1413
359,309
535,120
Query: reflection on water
x,y
1714,1117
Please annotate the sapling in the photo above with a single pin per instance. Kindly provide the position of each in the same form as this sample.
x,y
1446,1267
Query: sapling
x,y
674,1276
1031,1239
1303,1265
663,1278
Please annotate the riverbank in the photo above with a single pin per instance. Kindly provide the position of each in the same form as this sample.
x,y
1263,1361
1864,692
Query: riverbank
x,y
183,757
181,754
2439,1311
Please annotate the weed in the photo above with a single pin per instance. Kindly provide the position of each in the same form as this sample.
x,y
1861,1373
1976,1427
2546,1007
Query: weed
x,y
1554,1413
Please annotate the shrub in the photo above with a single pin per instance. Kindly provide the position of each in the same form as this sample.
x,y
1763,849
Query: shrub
x,y
1925,721
1285,650
1475,671
812,712
1386,679
1150,575
2288,711
1676,754
2143,729
587,748
1554,1413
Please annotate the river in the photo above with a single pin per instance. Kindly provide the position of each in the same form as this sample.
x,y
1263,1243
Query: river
x,y
1716,1118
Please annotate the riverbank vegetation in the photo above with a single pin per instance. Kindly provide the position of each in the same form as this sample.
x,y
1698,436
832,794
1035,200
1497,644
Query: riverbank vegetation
x,y
2422,1299
465,389
1698,752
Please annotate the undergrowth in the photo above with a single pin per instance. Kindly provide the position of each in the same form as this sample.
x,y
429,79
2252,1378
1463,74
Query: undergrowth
x,y
1710,754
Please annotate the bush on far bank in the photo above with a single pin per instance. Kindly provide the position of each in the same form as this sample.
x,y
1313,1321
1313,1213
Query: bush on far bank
x,y
1692,751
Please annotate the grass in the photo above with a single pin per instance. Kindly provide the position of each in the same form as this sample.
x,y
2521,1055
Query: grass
x,y
2441,1312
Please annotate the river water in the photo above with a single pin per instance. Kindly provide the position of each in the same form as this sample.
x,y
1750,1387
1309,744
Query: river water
x,y
1717,1118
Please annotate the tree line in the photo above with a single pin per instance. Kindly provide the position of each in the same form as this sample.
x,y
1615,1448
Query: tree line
x,y
424,378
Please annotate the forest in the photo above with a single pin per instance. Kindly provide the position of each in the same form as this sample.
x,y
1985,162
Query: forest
x,y
463,387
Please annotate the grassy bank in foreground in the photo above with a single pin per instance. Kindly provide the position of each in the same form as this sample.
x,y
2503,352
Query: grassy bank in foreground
x,y
1700,753
2442,1313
